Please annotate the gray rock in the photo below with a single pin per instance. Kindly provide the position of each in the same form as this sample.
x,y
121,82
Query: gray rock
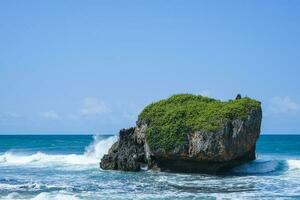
x,y
126,154
206,152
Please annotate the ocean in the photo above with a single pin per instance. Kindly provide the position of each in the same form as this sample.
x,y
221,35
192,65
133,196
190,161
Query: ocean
x,y
67,167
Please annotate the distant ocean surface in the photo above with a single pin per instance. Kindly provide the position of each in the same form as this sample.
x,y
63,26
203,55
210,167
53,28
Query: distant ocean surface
x,y
67,167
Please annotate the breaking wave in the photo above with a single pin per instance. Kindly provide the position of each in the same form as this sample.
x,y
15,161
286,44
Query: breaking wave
x,y
44,196
293,164
91,157
267,166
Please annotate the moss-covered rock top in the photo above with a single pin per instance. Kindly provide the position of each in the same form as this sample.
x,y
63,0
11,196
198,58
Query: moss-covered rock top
x,y
170,119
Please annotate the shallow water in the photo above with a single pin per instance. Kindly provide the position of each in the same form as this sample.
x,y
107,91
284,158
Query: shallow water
x,y
67,167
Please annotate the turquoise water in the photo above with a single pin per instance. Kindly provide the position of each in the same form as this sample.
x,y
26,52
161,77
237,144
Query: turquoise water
x,y
67,167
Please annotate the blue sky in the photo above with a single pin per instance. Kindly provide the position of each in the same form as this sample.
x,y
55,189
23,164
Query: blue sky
x,y
91,66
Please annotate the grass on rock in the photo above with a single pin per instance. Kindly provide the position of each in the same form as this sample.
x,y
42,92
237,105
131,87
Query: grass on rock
x,y
170,119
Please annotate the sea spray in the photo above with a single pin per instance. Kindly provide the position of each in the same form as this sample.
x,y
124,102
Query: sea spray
x,y
99,147
90,157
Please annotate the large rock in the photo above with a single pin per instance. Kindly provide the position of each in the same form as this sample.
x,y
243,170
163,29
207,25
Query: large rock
x,y
224,142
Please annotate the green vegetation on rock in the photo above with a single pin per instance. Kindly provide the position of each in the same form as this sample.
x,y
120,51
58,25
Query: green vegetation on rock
x,y
170,119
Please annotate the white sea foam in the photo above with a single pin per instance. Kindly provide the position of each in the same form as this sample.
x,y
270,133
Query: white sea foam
x,y
12,196
293,164
55,196
43,196
91,157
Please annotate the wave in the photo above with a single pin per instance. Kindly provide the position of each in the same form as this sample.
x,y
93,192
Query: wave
x,y
95,151
29,186
54,196
259,167
91,157
62,195
267,166
293,164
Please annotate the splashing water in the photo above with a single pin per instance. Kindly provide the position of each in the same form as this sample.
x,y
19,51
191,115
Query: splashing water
x,y
92,155
99,147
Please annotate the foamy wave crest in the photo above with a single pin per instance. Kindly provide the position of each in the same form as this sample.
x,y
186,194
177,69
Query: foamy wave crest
x,y
92,155
43,196
293,164
55,196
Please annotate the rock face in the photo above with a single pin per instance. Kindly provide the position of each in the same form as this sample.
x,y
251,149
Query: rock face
x,y
126,154
199,151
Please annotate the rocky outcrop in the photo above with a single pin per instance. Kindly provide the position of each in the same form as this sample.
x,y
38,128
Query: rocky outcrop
x,y
214,152
199,152
126,154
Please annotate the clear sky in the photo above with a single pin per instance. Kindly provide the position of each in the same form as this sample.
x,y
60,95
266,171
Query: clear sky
x,y
91,66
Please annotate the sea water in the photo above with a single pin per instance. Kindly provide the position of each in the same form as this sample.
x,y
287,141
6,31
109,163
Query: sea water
x,y
67,167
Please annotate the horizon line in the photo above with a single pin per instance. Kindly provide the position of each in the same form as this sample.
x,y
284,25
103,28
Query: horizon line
x,y
112,134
